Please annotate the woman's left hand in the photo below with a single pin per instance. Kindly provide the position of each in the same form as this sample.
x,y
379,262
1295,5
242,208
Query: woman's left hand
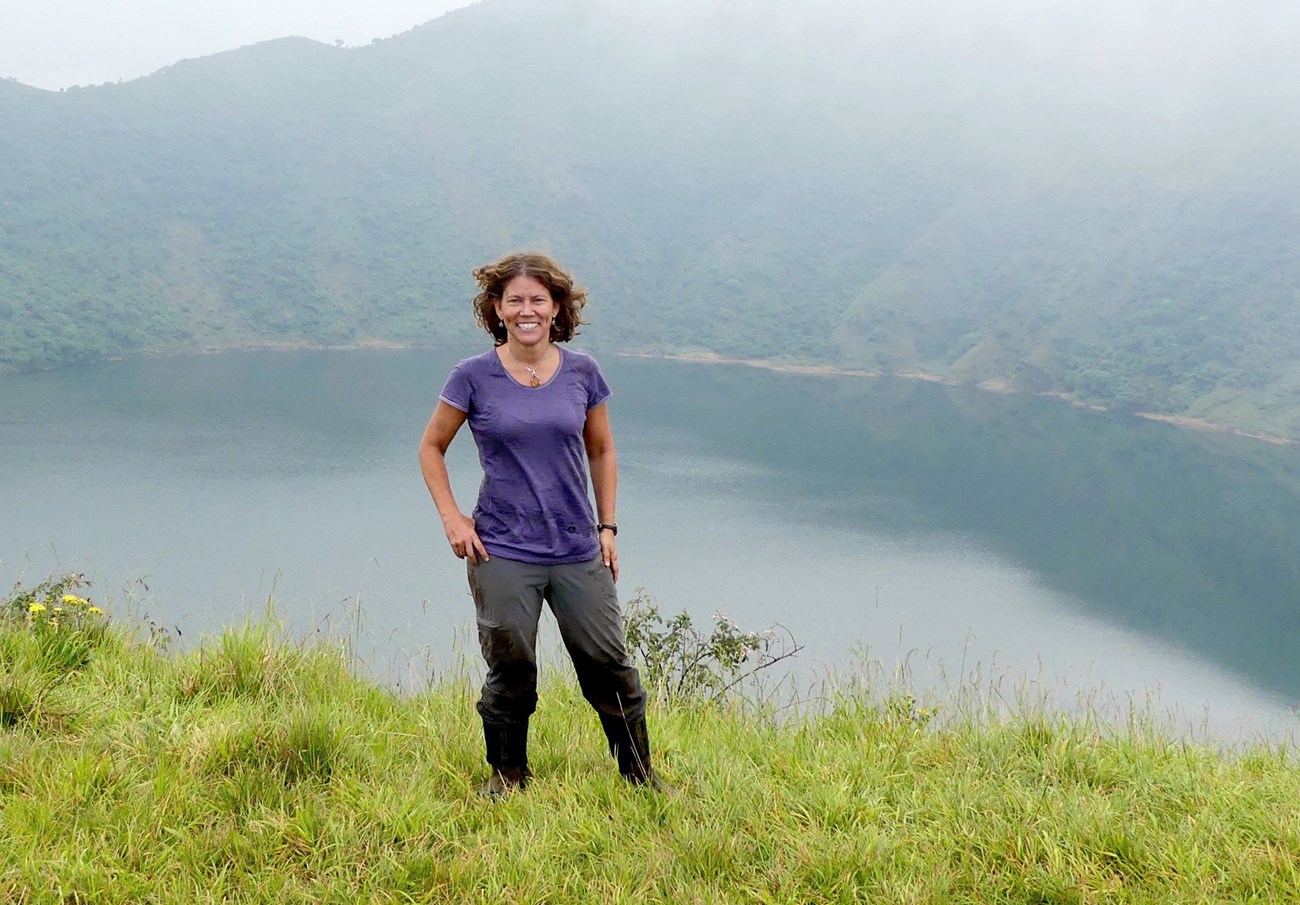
x,y
609,552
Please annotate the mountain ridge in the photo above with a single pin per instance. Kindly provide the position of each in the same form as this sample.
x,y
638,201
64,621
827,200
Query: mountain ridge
x,y
716,186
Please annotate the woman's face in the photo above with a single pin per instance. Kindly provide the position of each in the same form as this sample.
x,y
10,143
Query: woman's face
x,y
527,310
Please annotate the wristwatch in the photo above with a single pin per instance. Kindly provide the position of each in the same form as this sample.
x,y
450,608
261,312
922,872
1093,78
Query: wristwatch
x,y
610,525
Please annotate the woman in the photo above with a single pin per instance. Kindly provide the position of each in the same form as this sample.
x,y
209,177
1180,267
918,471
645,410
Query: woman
x,y
539,417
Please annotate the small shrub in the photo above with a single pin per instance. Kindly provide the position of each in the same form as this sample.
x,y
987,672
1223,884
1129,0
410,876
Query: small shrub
x,y
682,662
904,708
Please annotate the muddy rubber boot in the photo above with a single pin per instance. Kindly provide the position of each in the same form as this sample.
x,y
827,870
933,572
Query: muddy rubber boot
x,y
629,743
507,752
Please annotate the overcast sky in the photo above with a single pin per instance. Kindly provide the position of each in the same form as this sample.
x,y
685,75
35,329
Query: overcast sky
x,y
57,43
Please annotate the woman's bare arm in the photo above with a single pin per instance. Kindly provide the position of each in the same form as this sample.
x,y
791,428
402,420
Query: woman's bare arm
x,y
438,434
599,440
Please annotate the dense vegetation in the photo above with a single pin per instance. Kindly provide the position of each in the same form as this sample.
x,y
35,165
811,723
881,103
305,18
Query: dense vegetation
x,y
255,769
837,185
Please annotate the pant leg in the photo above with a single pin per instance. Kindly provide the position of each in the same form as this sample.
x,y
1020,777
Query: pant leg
x,y
507,605
585,604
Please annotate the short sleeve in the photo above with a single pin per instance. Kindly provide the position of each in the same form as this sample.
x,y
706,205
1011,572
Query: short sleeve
x,y
597,389
458,391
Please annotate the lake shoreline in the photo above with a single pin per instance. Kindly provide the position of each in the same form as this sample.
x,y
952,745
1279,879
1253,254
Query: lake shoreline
x,y
290,476
987,386
815,370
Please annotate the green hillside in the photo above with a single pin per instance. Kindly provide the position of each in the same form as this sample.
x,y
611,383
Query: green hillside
x,y
252,768
838,185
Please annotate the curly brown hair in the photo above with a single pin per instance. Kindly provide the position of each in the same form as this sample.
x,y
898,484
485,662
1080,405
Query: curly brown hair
x,y
568,296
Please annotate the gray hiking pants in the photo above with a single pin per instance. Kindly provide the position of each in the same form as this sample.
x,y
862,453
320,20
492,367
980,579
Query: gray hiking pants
x,y
508,598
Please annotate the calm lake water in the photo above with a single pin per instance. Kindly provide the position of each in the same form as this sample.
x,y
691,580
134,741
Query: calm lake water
x,y
955,530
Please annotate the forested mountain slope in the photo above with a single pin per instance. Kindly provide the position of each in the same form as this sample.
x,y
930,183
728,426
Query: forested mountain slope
x,y
868,184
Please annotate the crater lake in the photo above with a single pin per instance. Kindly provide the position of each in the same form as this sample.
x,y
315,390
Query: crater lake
x,y
946,531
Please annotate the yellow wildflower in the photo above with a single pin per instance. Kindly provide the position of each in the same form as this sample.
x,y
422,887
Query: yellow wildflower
x,y
72,600
36,608
54,623
94,610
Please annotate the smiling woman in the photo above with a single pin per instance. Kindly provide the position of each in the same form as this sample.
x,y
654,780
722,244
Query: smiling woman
x,y
539,416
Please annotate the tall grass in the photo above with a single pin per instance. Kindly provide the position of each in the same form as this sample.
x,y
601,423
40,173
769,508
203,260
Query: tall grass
x,y
257,769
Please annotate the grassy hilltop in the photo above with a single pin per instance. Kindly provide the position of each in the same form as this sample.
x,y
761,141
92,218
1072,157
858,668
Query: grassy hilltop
x,y
254,769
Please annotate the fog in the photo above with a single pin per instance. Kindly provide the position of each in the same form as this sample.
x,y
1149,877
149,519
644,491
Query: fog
x,y
55,44
1177,93
1174,51
1165,89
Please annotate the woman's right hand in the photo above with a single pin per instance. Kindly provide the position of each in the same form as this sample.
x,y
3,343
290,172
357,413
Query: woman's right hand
x,y
464,539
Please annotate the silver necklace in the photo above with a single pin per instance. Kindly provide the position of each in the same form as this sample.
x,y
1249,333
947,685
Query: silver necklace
x,y
534,380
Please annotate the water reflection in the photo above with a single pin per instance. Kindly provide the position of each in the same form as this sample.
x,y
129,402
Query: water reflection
x,y
1190,537
843,507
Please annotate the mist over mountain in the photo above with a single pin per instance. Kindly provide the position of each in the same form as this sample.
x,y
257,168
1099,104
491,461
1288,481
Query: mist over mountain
x,y
1099,199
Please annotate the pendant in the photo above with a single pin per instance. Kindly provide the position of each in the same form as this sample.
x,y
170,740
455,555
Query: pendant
x,y
533,380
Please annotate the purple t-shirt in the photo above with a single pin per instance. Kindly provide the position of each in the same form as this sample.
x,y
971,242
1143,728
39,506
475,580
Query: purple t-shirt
x,y
533,505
